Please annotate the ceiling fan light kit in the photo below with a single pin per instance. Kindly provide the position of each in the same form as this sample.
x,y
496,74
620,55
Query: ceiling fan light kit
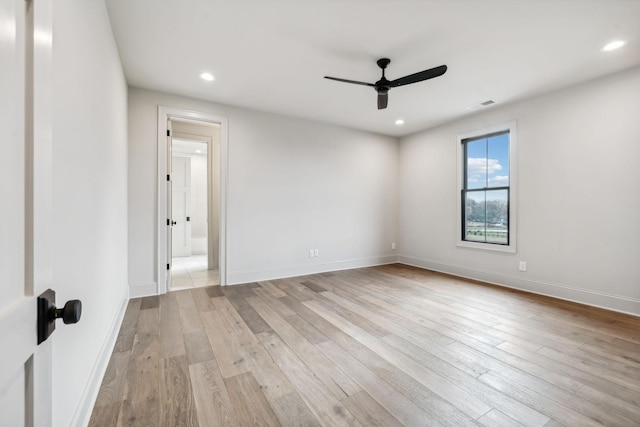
x,y
383,85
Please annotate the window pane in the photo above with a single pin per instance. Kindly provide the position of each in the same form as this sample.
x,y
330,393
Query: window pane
x,y
498,161
497,216
475,217
476,162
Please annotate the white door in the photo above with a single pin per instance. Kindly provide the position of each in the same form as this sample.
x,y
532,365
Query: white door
x,y
25,209
181,206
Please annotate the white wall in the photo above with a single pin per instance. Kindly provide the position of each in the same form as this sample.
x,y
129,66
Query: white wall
x,y
293,185
578,199
90,200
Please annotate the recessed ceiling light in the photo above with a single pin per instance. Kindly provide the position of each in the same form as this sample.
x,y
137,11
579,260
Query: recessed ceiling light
x,y
614,45
207,76
399,122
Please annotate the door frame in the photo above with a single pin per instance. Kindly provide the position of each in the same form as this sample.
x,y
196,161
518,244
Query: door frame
x,y
166,113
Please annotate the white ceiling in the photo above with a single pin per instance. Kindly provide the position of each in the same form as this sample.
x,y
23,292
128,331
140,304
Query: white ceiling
x,y
272,55
184,146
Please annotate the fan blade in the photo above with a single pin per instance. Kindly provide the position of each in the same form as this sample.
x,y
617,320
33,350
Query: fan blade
x,y
350,81
418,77
383,100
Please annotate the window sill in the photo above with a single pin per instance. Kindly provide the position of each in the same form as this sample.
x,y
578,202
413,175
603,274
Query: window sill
x,y
487,246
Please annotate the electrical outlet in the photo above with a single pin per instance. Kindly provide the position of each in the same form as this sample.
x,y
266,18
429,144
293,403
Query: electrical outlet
x,y
523,266
310,253
393,246
315,252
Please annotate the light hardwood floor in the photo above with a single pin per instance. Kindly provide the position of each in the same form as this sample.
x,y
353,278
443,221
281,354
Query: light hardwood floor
x,y
391,345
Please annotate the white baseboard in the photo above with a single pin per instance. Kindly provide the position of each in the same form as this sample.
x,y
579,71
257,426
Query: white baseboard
x,y
83,412
240,277
143,290
583,296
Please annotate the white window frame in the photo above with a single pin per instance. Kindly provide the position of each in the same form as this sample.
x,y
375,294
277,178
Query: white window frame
x,y
513,187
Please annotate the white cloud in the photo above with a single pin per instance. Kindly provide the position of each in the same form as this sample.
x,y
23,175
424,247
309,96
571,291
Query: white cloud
x,y
499,181
480,166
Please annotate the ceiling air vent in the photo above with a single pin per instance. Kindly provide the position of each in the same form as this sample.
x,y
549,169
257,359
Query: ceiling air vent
x,y
480,105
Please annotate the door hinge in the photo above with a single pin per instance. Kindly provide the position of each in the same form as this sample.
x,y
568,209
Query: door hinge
x,y
168,177
168,222
188,218
167,266
168,132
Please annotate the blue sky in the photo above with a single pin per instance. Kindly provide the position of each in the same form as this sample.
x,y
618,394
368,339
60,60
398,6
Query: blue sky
x,y
488,163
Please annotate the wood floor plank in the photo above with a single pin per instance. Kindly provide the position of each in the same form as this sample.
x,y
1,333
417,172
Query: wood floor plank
x,y
467,403
210,394
307,330
106,415
331,375
394,402
429,402
190,320
197,346
322,403
185,300
538,401
149,321
234,323
294,289
362,321
557,372
114,380
609,403
313,286
495,418
368,411
171,342
249,315
150,302
403,335
272,381
293,412
202,297
124,342
273,290
250,405
141,404
388,345
177,405
625,376
275,302
228,355
593,409
214,291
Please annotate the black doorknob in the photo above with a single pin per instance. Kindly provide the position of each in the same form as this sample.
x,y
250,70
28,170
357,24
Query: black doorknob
x,y
173,223
71,312
48,313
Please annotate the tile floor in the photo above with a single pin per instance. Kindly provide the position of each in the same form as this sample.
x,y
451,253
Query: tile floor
x,y
191,272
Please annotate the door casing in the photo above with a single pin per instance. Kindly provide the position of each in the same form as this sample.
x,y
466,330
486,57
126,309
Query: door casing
x,y
165,113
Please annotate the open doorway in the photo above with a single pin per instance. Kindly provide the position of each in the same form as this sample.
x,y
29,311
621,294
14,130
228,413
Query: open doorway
x,y
211,130
191,212
193,204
